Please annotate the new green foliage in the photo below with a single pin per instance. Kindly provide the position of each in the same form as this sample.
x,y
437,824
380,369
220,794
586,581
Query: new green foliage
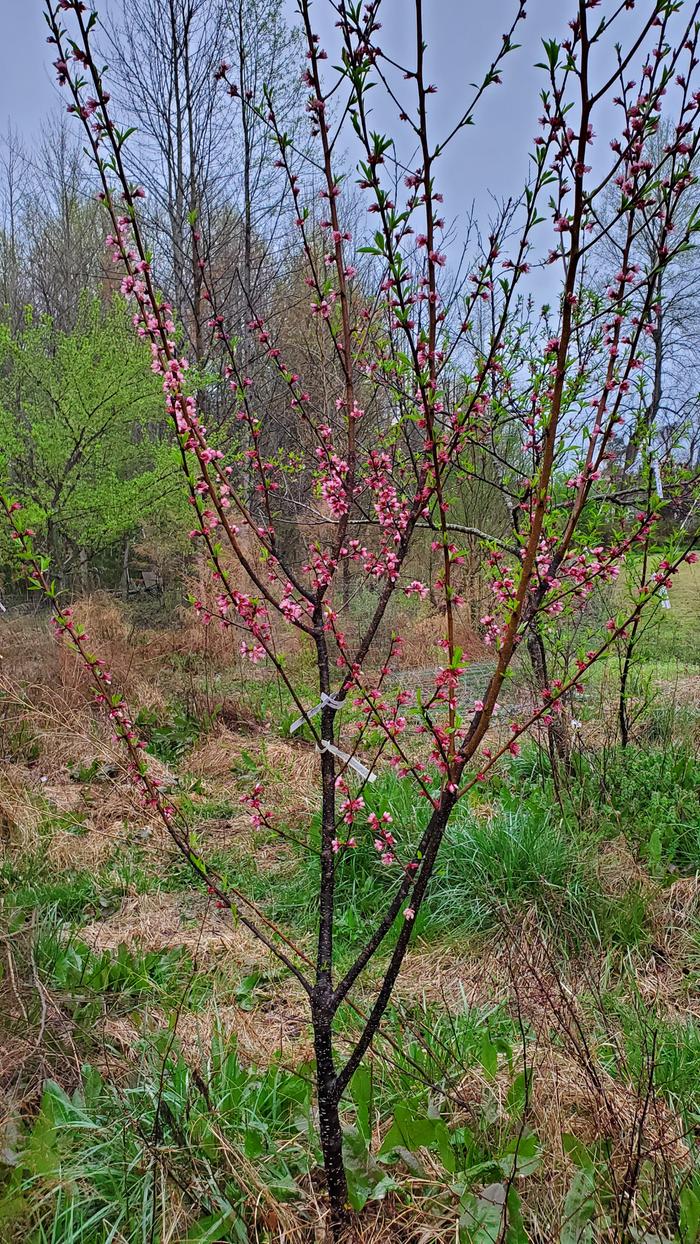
x,y
83,445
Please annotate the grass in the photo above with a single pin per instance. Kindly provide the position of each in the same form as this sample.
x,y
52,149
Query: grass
x,y
496,865
142,1116
29,884
32,883
493,870
674,1047
103,1164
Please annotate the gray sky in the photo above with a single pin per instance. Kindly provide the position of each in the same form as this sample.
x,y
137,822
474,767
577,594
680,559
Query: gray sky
x,y
462,35
485,162
26,90
462,38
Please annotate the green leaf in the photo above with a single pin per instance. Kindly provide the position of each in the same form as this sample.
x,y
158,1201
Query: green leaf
x,y
445,1149
361,1093
41,1156
211,1229
516,1096
515,1233
364,1174
408,1131
283,1183
522,1155
579,1153
690,1214
488,1057
482,1217
579,1209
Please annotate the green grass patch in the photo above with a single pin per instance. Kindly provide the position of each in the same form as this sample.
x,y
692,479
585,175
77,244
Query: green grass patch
x,y
88,1168
491,870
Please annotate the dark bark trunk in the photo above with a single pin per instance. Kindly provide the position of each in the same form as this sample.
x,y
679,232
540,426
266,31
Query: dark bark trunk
x,y
623,714
322,1003
558,734
329,1120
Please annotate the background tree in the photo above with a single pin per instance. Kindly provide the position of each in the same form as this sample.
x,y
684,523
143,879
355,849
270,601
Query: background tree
x,y
204,162
83,441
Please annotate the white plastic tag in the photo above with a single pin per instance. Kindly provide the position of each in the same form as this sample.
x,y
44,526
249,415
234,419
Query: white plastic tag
x,y
326,701
365,773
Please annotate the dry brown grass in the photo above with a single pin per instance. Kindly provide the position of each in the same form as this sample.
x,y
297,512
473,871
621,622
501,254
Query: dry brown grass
x,y
421,638
679,911
292,780
276,1025
569,1098
412,1221
440,975
36,1035
278,1030
76,824
215,756
45,691
33,658
48,714
20,802
484,975
28,649
666,982
289,771
572,1090
114,826
618,869
162,921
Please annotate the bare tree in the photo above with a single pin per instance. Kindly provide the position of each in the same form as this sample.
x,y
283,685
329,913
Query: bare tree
x,y
13,164
206,166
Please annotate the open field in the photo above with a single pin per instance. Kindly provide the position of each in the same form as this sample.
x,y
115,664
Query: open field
x,y
544,1040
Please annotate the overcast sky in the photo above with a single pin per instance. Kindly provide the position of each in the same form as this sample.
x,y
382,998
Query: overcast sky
x,y
485,162
462,36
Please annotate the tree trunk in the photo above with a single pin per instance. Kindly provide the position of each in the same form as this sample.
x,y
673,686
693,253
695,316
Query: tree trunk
x,y
84,570
623,713
645,423
124,585
558,733
329,1120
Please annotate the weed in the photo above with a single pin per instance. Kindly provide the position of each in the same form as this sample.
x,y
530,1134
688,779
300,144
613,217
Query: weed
x,y
174,1155
172,739
161,976
654,795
